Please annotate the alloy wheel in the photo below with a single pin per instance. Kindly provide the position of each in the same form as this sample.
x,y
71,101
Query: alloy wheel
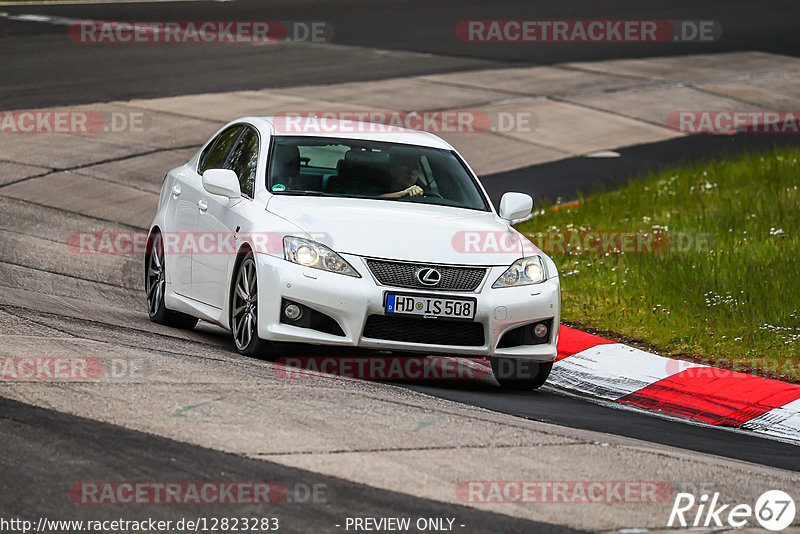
x,y
245,305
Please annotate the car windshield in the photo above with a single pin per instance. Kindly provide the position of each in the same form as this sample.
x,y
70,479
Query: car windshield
x,y
371,169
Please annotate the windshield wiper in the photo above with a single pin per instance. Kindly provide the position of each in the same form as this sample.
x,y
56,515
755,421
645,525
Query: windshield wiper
x,y
304,192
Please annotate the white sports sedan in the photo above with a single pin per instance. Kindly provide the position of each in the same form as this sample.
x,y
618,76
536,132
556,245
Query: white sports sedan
x,y
350,234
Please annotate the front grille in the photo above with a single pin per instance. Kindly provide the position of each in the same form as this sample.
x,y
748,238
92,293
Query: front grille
x,y
399,274
427,331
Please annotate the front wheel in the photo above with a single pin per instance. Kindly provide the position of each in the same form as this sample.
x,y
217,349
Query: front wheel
x,y
244,310
155,285
520,375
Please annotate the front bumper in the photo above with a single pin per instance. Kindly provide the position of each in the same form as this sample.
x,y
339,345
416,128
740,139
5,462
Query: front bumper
x,y
350,301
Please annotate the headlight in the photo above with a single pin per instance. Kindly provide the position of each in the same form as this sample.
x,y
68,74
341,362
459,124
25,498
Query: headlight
x,y
316,255
523,272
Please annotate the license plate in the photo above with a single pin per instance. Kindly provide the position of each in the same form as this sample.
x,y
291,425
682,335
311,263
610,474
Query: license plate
x,y
429,306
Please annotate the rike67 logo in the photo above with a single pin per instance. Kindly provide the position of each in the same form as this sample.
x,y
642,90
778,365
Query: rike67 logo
x,y
774,510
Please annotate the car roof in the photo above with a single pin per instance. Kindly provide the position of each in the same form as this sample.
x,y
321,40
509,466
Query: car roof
x,y
346,129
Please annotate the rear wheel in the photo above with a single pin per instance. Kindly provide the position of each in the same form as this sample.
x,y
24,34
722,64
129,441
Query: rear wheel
x,y
520,375
155,285
244,310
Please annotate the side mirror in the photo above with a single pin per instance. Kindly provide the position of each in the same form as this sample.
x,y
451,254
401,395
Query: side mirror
x,y
515,206
222,182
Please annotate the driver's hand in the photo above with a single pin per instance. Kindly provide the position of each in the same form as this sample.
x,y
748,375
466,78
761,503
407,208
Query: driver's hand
x,y
413,191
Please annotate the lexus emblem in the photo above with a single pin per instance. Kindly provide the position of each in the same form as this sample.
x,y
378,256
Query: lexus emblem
x,y
429,277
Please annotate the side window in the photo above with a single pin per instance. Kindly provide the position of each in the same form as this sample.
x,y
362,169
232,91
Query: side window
x,y
243,161
216,153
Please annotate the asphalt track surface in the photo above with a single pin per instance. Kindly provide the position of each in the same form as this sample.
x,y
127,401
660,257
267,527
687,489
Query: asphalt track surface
x,y
568,179
372,40
552,406
70,449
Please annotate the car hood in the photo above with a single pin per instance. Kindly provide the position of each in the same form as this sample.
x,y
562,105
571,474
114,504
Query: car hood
x,y
404,230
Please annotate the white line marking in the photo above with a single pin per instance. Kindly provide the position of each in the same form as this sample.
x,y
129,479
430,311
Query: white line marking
x,y
47,19
89,2
603,154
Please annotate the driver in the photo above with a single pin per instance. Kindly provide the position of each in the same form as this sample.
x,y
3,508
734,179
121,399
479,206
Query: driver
x,y
404,174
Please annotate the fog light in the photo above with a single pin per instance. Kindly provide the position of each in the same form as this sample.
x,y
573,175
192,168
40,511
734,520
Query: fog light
x,y
292,312
540,330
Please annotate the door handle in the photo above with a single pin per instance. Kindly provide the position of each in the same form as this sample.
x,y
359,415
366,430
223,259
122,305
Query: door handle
x,y
202,204
176,190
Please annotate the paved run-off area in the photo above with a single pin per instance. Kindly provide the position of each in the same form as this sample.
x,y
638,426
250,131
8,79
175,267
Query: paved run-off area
x,y
192,386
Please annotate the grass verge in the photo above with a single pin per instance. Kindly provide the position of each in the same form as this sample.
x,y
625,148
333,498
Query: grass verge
x,y
720,281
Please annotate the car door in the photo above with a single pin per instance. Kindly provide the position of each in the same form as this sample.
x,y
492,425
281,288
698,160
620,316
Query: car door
x,y
220,217
192,195
179,221
186,191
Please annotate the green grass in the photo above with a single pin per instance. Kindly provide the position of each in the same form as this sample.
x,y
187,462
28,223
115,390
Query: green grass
x,y
735,304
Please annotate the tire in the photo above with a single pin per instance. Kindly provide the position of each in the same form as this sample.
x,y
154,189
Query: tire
x,y
244,311
155,285
520,375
